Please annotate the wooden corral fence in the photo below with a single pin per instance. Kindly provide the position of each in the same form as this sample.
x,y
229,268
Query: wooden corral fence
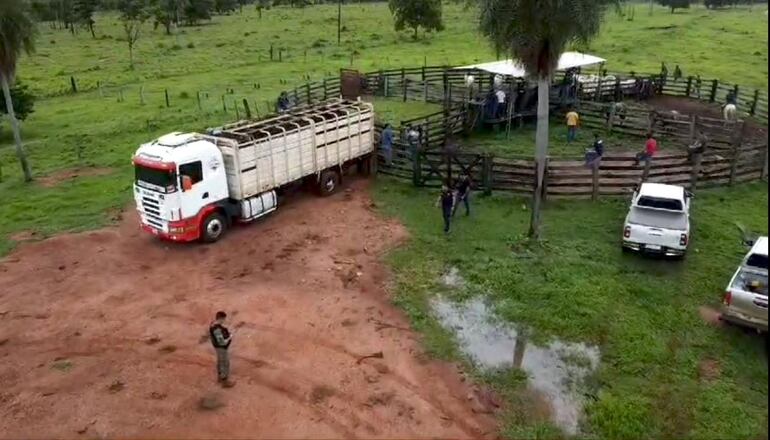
x,y
616,174
733,154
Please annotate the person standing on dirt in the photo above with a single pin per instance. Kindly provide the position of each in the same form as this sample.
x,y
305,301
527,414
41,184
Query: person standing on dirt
x,y
446,200
463,194
573,121
221,339
386,143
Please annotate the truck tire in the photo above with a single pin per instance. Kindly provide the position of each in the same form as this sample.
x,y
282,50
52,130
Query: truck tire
x,y
213,227
328,183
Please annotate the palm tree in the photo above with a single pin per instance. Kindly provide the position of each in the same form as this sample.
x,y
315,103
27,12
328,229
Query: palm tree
x,y
536,32
17,34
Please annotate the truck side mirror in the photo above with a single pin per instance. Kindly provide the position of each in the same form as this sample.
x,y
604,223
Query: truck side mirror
x,y
186,183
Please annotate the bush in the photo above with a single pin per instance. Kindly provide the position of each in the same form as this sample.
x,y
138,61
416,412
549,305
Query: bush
x,y
23,101
191,45
184,95
176,47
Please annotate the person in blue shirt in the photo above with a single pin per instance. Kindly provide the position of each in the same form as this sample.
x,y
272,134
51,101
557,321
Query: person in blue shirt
x,y
386,143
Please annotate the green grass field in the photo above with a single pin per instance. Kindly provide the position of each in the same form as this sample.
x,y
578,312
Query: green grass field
x,y
577,286
229,59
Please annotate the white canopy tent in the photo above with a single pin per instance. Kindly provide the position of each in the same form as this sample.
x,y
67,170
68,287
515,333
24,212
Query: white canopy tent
x,y
508,67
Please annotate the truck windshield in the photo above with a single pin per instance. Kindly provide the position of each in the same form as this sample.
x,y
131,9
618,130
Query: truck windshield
x,y
658,219
655,202
158,180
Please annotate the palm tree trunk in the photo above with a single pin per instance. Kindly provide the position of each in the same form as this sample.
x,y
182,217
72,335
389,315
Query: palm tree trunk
x,y
15,128
541,151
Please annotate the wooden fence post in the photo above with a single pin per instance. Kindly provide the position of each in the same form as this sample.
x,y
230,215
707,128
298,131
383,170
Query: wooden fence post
x,y
714,86
307,92
296,96
271,51
693,123
595,179
224,104
326,92
168,103
486,173
737,140
74,84
735,92
386,87
545,178
403,81
753,109
416,165
198,96
448,157
611,119
141,95
598,92
646,169
99,86
696,167
247,108
446,88
689,86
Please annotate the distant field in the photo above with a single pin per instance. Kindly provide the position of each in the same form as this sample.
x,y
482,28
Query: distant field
x,y
229,57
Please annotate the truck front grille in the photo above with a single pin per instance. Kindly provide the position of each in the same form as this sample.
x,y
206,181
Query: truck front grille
x,y
151,210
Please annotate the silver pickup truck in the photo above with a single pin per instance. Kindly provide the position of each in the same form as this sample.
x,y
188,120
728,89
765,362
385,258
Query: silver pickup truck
x,y
745,300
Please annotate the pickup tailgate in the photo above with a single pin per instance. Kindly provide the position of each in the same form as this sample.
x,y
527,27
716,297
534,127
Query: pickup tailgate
x,y
652,236
743,300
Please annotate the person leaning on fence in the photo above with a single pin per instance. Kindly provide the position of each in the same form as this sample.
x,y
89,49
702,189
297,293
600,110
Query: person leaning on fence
x,y
386,143
650,148
412,140
594,154
573,122
446,201
283,103
697,147
463,194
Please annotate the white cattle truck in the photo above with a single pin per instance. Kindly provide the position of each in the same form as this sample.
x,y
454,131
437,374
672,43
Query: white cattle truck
x,y
191,186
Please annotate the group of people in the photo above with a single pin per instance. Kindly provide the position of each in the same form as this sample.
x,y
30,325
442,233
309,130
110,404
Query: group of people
x,y
411,137
451,197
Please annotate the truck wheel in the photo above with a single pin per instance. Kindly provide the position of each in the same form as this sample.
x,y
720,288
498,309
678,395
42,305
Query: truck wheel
x,y
213,227
328,183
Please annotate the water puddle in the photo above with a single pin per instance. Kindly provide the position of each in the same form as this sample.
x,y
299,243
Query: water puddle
x,y
557,370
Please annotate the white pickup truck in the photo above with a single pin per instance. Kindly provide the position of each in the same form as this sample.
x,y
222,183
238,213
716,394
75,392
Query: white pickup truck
x,y
745,301
658,220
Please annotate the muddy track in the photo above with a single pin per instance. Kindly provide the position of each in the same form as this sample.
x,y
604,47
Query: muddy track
x,y
103,334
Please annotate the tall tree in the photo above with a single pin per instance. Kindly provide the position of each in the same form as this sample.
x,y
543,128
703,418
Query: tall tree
x,y
133,13
168,12
197,10
536,32
414,14
225,6
675,4
17,35
84,14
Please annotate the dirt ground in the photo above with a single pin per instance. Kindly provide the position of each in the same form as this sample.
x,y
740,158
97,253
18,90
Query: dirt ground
x,y
104,334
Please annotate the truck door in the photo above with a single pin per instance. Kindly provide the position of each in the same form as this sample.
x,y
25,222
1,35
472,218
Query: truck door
x,y
195,196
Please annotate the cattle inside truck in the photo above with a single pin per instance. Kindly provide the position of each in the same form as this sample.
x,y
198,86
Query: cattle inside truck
x,y
191,186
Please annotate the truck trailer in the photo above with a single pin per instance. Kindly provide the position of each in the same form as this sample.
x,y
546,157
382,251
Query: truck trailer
x,y
191,186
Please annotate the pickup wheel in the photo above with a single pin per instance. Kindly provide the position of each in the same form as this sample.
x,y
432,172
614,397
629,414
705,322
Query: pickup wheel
x,y
328,183
213,227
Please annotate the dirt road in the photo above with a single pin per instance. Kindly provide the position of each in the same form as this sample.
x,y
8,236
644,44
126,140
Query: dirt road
x,y
103,334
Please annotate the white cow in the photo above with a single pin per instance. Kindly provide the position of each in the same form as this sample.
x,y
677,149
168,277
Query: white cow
x,y
730,112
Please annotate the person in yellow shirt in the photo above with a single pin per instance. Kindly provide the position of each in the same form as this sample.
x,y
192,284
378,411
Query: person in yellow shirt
x,y
573,122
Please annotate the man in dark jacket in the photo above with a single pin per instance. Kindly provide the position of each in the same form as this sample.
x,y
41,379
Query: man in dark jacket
x,y
463,194
446,201
221,339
